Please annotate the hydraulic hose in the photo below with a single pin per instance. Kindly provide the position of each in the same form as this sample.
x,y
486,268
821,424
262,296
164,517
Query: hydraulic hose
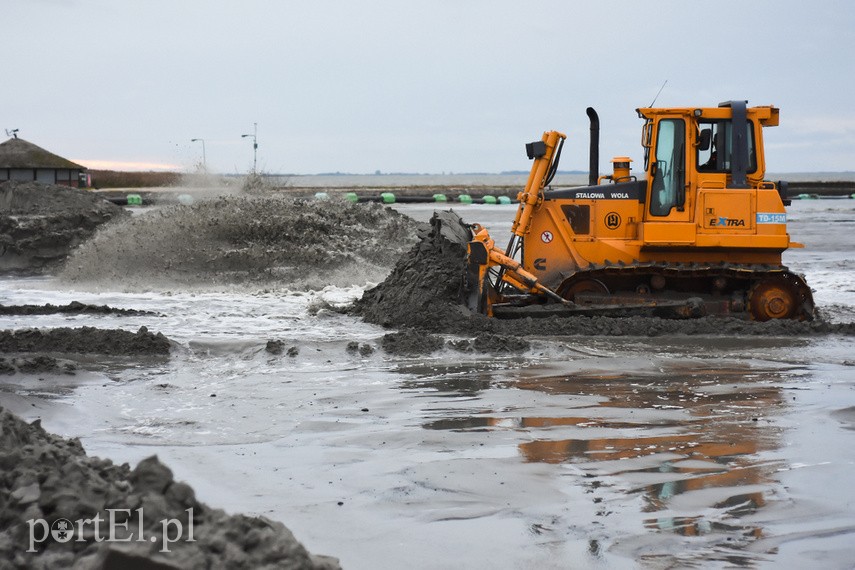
x,y
554,168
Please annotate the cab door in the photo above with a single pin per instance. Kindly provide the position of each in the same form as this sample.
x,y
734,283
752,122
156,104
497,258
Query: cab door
x,y
670,208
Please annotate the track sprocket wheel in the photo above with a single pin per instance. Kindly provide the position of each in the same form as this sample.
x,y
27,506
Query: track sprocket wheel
x,y
774,298
583,286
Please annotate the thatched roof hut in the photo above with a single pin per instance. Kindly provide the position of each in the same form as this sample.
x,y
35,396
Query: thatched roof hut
x,y
24,161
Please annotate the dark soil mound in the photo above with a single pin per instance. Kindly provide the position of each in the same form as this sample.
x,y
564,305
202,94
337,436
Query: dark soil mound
x,y
36,365
72,308
425,292
47,478
86,340
413,342
425,289
493,343
40,224
271,241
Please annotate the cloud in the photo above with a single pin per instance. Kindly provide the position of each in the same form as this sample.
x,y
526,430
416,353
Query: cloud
x,y
423,86
823,125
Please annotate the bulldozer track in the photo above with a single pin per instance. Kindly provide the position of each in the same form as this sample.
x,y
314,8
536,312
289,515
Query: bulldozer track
x,y
764,291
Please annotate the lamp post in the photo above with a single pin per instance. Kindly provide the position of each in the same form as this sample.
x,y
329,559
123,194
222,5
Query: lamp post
x,y
204,159
254,136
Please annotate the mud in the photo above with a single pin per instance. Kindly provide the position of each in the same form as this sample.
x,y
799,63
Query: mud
x,y
425,289
277,348
411,342
85,340
414,342
72,308
493,343
50,478
232,241
365,350
592,451
36,365
40,224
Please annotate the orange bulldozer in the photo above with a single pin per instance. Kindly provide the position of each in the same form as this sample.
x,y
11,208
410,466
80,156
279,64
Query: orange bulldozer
x,y
699,233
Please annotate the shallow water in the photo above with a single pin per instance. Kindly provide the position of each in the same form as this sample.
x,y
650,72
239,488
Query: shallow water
x,y
584,452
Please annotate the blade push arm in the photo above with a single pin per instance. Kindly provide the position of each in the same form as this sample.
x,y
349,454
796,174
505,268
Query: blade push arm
x,y
482,289
543,152
513,274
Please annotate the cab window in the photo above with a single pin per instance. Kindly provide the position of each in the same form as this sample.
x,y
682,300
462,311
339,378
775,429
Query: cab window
x,y
715,145
668,168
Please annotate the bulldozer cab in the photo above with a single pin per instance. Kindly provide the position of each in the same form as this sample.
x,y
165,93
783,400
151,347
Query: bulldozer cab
x,y
690,150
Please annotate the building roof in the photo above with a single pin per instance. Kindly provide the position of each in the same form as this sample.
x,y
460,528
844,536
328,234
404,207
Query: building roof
x,y
18,153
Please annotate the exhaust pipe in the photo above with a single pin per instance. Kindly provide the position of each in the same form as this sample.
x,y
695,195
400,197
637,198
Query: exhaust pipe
x,y
594,153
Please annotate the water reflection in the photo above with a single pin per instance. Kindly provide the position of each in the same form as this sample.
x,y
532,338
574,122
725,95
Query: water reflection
x,y
689,442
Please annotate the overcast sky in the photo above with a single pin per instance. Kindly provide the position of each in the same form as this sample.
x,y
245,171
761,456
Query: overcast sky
x,y
413,86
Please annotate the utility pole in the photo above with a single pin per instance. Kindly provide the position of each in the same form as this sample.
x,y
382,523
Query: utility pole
x,y
204,159
254,136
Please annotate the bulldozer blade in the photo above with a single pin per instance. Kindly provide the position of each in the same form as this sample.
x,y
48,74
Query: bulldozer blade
x,y
451,227
476,285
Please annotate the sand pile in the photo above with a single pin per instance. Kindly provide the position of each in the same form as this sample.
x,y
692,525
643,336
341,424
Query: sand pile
x,y
425,289
85,340
265,241
36,365
425,292
72,308
45,479
41,223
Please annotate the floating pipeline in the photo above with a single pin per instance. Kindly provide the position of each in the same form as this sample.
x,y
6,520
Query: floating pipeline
x,y
797,190
822,189
820,197
392,198
169,198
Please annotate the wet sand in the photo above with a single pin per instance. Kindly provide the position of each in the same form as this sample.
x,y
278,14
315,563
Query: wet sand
x,y
85,340
677,450
40,224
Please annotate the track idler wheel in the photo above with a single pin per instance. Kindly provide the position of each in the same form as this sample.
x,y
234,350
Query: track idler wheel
x,y
774,298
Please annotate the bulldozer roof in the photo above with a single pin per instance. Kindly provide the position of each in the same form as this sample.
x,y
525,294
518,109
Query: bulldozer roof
x,y
766,114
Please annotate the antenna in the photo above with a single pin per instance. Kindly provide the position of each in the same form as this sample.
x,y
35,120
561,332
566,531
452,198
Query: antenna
x,y
657,93
12,133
